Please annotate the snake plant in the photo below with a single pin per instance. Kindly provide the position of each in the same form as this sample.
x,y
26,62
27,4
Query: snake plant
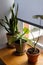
x,y
12,23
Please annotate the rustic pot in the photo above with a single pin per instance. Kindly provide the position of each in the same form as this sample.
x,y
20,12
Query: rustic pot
x,y
32,58
20,48
10,39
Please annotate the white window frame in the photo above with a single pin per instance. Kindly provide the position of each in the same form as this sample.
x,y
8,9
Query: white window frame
x,y
36,34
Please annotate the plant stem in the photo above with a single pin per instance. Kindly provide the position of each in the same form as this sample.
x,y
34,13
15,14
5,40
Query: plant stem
x,y
38,37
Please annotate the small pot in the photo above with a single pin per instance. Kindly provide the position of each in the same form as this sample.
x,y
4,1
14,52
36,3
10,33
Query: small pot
x,y
20,48
10,40
32,57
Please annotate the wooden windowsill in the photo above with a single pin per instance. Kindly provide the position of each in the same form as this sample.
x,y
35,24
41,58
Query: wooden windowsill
x,y
10,59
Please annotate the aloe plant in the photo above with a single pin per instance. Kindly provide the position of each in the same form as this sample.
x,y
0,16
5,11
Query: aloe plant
x,y
20,40
21,35
12,23
35,42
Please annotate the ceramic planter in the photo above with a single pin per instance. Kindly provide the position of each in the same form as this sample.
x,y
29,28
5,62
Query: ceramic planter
x,y
10,39
20,48
32,57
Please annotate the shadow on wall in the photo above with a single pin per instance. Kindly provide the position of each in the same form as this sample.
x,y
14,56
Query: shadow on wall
x,y
3,39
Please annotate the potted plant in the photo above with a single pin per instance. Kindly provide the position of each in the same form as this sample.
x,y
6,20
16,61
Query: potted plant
x,y
20,42
11,28
34,52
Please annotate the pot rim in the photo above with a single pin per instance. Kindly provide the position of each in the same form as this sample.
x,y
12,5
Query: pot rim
x,y
19,40
8,34
33,54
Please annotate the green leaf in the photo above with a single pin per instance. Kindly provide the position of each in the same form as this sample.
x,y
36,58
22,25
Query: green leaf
x,y
6,19
12,12
7,22
13,5
12,23
16,11
4,27
26,30
25,38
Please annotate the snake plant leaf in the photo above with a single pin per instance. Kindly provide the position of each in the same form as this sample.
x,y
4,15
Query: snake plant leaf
x,y
38,16
12,22
7,22
6,19
13,5
16,21
12,12
4,27
16,11
26,30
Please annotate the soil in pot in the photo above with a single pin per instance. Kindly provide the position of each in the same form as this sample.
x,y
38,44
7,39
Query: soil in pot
x,y
20,48
33,55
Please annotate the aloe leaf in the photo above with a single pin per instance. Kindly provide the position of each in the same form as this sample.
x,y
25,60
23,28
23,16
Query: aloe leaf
x,y
26,30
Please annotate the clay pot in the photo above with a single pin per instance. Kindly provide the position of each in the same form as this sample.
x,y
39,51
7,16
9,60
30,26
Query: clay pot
x,y
32,57
20,48
10,39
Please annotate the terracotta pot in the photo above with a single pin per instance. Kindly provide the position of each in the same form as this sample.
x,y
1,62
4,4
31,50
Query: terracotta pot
x,y
10,40
20,48
32,57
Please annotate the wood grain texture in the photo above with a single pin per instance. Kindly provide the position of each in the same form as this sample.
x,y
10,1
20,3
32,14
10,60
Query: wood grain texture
x,y
10,59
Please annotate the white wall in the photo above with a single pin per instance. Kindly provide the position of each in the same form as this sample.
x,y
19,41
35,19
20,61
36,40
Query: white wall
x,y
4,10
3,39
28,8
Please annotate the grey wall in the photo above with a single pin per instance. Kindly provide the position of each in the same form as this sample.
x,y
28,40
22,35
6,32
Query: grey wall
x,y
3,39
28,8
4,10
